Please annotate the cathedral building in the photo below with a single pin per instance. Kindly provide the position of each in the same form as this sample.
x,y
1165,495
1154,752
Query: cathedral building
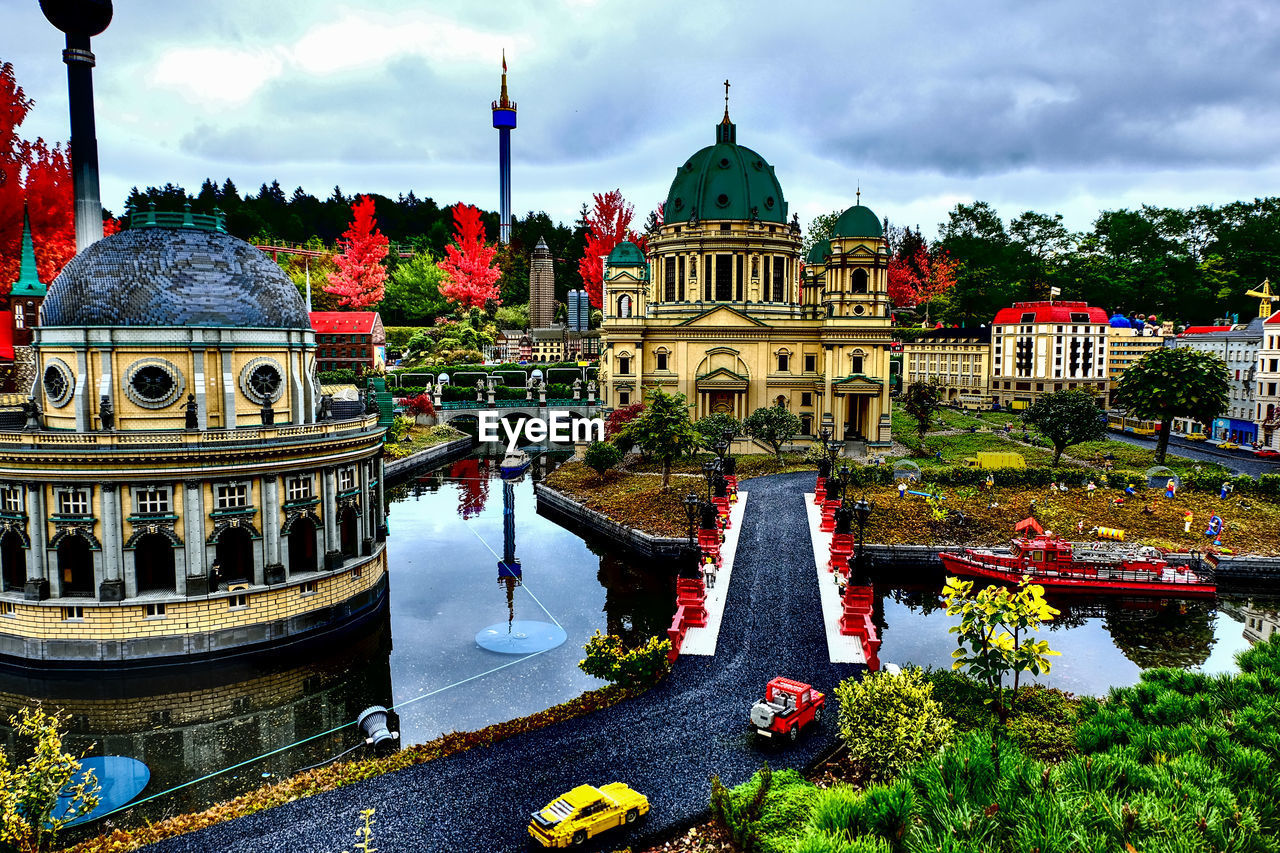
x,y
725,310
180,487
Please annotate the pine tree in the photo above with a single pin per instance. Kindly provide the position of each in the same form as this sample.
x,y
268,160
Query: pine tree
x,y
358,281
468,262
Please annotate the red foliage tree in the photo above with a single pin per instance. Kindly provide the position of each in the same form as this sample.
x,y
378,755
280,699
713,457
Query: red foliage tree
x,y
920,278
421,404
468,262
39,175
358,281
472,477
618,417
608,224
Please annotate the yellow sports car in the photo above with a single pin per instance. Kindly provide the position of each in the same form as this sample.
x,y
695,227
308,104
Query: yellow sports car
x,y
585,812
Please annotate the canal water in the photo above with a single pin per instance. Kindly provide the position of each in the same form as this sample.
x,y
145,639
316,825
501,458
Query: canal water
x,y
453,600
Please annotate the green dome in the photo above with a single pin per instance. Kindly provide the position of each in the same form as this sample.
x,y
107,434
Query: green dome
x,y
626,254
858,221
725,181
818,254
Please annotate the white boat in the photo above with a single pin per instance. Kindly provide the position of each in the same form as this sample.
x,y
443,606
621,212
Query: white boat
x,y
515,463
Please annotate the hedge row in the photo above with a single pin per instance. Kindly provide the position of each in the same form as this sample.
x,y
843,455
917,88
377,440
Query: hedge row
x,y
527,369
461,393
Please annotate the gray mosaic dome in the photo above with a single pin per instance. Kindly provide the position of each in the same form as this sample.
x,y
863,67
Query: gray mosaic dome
x,y
173,277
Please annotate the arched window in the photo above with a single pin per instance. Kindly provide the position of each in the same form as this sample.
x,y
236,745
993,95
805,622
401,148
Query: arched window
x,y
855,365
234,554
781,401
349,528
13,561
153,564
624,305
858,284
75,562
302,546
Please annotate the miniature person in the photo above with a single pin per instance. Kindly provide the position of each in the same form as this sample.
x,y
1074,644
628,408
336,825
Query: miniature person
x,y
1226,490
1187,518
1091,488
991,481
192,410
938,456
326,407
1130,490
902,490
1080,525
1170,488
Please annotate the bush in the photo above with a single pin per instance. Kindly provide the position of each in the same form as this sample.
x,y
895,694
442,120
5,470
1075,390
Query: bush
x,y
768,813
609,660
399,429
345,376
601,456
31,811
889,722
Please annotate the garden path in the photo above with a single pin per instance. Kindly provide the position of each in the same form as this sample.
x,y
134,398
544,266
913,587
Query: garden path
x,y
665,743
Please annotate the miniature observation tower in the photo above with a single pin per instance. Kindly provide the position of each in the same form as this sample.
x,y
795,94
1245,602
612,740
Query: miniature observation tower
x,y
504,119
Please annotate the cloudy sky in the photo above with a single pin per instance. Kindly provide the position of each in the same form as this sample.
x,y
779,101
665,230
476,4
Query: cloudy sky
x,y
1067,107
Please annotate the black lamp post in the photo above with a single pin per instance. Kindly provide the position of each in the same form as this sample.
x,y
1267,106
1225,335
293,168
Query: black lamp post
x,y
710,469
845,476
692,511
861,513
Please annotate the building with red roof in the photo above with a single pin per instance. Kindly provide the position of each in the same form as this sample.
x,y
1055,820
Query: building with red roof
x,y
1041,347
352,340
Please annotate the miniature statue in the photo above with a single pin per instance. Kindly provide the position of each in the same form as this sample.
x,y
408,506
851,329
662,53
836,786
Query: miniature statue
x,y
267,414
370,403
32,411
192,410
106,414
326,407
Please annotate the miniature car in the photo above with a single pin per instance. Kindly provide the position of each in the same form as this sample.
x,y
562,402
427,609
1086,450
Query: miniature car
x,y
1196,436
788,706
1267,453
1228,445
585,812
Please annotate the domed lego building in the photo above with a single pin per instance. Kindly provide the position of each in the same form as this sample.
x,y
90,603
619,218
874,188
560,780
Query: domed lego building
x,y
724,311
181,488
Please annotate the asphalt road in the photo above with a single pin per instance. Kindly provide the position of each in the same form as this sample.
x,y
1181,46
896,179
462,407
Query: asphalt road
x,y
1239,461
665,744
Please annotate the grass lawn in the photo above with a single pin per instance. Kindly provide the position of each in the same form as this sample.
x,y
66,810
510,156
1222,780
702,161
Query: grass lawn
x,y
1252,524
420,438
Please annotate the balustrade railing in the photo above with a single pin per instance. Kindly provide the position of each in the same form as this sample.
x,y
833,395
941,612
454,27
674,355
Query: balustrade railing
x,y
220,437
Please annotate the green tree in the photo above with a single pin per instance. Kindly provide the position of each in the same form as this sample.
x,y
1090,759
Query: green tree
x,y
774,425
921,400
713,427
662,430
413,290
600,456
31,810
1066,418
512,317
819,229
993,633
1173,383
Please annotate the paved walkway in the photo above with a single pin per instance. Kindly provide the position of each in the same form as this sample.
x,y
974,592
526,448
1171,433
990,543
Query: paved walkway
x,y
666,743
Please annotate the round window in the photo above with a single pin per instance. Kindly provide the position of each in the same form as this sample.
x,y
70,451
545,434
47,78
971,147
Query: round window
x,y
722,200
55,383
265,381
768,202
679,203
152,383
858,309
724,162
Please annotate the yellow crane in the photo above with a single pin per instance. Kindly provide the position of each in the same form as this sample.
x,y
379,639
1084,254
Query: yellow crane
x,y
1265,296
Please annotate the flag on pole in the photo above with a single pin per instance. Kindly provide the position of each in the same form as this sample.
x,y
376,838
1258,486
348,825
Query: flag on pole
x,y
1055,291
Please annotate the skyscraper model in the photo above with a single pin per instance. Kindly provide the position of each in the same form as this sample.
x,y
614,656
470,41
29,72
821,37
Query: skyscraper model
x,y
504,119
542,287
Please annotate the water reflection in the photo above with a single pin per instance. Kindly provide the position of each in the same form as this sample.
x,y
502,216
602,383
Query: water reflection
x,y
184,723
1105,641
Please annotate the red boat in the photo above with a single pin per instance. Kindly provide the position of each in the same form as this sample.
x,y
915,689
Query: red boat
x,y
1084,567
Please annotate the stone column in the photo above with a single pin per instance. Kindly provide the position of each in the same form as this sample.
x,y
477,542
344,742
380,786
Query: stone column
x,y
37,586
83,403
299,409
367,520
274,569
329,509
202,412
194,579
380,507
228,390
113,586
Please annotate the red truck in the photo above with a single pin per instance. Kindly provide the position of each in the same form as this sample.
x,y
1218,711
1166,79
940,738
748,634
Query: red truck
x,y
787,707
